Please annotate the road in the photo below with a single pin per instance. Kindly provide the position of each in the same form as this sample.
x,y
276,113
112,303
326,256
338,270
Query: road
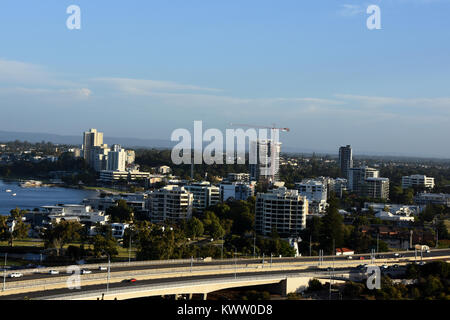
x,y
228,262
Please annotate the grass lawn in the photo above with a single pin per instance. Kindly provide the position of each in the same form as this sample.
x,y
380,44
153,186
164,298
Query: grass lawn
x,y
447,224
123,252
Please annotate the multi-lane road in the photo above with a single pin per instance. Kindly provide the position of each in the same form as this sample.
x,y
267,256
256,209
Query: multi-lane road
x,y
228,262
310,262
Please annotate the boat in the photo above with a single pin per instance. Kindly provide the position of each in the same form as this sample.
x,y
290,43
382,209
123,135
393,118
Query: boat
x,y
8,190
31,184
14,194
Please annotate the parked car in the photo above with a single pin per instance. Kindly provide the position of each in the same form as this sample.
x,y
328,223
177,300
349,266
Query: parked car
x,y
53,272
16,275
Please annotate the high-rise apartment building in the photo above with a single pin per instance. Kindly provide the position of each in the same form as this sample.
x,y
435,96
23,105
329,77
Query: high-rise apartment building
x,y
281,210
117,158
268,160
358,176
205,195
91,139
316,191
417,180
236,190
172,203
377,188
345,160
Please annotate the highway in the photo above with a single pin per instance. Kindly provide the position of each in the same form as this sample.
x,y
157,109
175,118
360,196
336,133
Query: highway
x,y
124,284
159,272
228,262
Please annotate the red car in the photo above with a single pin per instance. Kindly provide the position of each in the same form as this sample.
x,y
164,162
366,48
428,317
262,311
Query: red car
x,y
361,258
132,280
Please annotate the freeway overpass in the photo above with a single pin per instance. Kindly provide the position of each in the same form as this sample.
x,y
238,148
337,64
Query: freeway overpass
x,y
38,284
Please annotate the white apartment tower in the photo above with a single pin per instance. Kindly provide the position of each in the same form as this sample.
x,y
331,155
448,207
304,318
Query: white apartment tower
x,y
282,210
205,195
172,203
417,180
268,160
117,158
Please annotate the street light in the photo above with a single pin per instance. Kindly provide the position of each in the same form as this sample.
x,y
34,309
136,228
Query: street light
x,y
235,263
109,270
4,273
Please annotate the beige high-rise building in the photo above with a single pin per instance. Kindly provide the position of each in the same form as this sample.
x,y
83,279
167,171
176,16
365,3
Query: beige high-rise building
x,y
91,139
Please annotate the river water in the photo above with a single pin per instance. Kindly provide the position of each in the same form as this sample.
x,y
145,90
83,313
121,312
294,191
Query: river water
x,y
30,198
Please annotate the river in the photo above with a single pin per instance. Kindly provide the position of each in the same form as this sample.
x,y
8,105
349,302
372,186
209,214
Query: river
x,y
30,198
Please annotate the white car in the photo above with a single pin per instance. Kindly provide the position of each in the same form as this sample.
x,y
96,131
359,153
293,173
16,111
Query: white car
x,y
53,272
102,268
84,271
349,257
16,275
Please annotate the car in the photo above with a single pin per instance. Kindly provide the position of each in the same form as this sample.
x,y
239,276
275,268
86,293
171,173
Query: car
x,y
133,280
396,266
421,263
53,272
84,271
102,268
396,255
384,266
349,257
427,251
16,275
361,258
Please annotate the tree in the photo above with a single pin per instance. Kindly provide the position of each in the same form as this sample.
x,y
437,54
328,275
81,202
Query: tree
x,y
314,285
194,228
212,225
442,230
13,227
120,213
62,233
104,246
332,231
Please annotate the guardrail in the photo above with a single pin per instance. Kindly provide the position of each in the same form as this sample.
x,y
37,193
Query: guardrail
x,y
181,261
196,270
183,283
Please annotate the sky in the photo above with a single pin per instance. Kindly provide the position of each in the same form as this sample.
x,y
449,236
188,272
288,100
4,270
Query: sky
x,y
145,68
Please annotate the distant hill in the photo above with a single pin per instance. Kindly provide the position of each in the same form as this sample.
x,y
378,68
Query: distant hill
x,y
34,137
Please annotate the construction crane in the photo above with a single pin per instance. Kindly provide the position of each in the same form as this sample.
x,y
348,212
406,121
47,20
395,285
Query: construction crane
x,y
261,127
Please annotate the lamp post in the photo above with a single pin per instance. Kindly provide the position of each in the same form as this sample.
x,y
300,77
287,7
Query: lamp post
x,y
4,273
109,271
235,263
221,253
129,251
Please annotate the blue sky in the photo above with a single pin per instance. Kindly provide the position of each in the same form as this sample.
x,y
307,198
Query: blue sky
x,y
145,68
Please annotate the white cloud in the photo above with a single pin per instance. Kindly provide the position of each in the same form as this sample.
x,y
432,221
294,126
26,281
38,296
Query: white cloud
x,y
350,10
146,87
54,94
